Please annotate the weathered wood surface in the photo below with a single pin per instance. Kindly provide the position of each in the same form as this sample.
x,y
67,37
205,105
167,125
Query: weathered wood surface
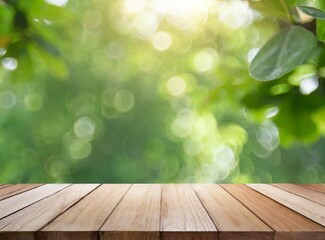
x,y
162,211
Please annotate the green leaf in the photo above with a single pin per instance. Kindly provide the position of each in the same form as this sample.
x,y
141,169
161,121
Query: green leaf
x,y
55,65
272,8
320,30
50,48
314,12
283,53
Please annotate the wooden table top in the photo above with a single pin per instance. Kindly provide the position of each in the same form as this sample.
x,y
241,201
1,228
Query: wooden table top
x,y
162,211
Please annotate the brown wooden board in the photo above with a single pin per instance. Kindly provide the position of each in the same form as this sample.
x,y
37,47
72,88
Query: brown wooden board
x,y
288,224
303,192
86,217
233,220
183,216
314,187
17,202
35,216
137,216
5,185
16,189
162,211
310,209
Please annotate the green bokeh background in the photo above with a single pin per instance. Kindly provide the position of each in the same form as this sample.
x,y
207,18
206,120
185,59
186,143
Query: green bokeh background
x,y
150,91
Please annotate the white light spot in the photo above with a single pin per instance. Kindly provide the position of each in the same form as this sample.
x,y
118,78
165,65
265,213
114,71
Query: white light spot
x,y
308,85
224,158
79,149
123,101
205,60
134,6
59,3
84,127
183,124
9,63
268,138
271,112
161,41
145,24
236,14
2,51
176,86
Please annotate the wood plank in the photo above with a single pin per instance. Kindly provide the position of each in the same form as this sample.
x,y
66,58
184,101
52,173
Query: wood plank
x,y
303,192
83,220
16,189
137,216
288,224
17,202
183,215
310,209
35,216
5,185
12,188
314,187
233,220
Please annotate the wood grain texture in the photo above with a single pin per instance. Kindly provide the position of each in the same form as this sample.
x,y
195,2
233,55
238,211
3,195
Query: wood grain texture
x,y
162,212
5,185
88,215
16,189
35,216
303,192
17,202
182,214
314,187
137,216
310,209
233,220
288,224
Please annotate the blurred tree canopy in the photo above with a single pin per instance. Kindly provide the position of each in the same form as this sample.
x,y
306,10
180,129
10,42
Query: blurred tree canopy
x,y
162,91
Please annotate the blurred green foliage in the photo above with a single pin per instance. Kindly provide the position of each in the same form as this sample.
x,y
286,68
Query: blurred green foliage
x,y
155,91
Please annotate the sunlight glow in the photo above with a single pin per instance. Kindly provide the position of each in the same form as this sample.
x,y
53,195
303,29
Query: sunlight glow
x,y
205,60
308,85
176,86
134,6
59,3
9,63
161,41
145,24
236,14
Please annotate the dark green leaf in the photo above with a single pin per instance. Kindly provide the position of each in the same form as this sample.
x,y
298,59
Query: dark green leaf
x,y
54,64
283,53
314,12
46,45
